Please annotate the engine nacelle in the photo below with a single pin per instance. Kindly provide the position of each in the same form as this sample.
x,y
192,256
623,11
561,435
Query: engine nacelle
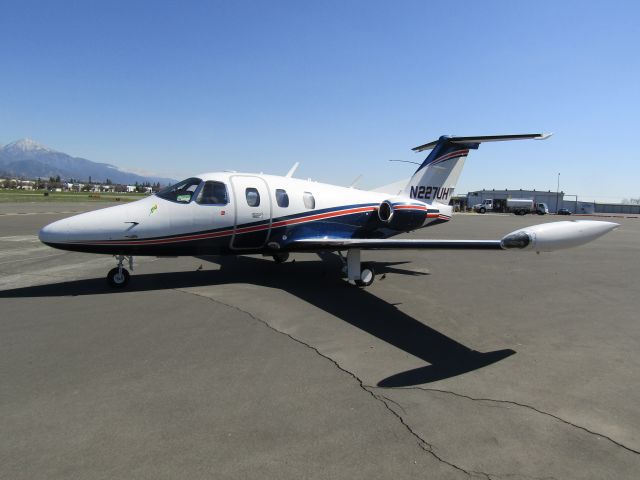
x,y
403,216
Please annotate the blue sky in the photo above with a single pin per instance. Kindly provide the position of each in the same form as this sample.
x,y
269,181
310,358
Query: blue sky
x,y
178,88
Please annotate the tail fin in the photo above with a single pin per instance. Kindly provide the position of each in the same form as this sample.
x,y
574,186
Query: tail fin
x,y
435,180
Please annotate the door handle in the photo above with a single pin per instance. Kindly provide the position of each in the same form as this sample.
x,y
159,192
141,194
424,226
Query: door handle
x,y
257,215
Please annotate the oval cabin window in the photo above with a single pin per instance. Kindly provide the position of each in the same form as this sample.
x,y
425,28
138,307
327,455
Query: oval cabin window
x,y
309,201
253,197
282,198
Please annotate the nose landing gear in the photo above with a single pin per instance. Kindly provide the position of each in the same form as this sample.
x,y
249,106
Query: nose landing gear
x,y
119,277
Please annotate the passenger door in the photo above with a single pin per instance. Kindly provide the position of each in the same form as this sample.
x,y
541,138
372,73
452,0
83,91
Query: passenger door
x,y
253,215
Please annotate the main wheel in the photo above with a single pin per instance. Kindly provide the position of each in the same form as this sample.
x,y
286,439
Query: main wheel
x,y
367,275
281,257
117,279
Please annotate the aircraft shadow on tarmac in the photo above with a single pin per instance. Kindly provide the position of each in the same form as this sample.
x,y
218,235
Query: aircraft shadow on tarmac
x,y
317,284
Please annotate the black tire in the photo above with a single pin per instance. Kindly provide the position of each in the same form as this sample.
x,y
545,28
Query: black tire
x,y
367,275
115,280
482,210
281,257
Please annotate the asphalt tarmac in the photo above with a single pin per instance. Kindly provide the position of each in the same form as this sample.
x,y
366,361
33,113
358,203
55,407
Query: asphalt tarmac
x,y
451,365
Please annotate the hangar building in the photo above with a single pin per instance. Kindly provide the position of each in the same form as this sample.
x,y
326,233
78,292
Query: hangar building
x,y
553,200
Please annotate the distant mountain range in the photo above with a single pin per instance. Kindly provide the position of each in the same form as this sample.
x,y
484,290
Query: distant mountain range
x,y
28,159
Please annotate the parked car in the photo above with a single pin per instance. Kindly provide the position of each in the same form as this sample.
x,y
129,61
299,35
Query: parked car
x,y
564,211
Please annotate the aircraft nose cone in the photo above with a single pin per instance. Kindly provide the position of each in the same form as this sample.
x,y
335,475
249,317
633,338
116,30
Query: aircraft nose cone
x,y
53,232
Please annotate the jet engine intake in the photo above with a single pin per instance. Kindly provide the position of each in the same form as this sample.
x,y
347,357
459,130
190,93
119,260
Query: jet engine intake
x,y
385,211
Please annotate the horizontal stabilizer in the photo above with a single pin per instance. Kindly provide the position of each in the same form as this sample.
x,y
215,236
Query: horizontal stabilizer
x,y
486,138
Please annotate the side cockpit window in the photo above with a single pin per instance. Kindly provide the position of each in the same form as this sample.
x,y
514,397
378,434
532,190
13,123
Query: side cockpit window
x,y
253,197
181,192
282,198
213,193
309,200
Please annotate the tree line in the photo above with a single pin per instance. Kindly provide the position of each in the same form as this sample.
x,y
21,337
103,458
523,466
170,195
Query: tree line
x,y
56,182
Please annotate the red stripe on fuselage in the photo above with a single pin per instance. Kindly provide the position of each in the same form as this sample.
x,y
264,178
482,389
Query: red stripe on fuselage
x,y
410,207
419,208
321,216
230,231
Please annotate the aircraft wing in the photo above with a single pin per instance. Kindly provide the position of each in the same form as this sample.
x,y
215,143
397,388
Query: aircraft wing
x,y
545,237
313,244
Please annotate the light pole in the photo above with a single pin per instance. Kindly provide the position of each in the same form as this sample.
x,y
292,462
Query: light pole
x,y
575,207
557,192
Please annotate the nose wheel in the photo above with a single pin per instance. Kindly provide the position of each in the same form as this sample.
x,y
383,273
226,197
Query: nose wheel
x,y
119,277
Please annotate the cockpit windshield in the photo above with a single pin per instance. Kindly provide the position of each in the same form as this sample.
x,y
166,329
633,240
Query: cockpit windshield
x,y
181,192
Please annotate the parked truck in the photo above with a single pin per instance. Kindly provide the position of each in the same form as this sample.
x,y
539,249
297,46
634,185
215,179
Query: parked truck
x,y
518,206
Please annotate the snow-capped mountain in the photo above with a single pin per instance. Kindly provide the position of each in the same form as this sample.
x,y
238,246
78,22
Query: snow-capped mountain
x,y
27,158
25,146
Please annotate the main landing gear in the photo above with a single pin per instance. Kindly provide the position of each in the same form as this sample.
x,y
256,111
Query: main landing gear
x,y
361,274
118,277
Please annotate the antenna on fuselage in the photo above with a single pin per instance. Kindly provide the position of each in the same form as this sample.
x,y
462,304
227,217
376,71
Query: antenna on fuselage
x,y
292,170
353,184
406,161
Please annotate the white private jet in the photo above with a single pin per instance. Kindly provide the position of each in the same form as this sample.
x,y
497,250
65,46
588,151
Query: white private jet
x,y
229,213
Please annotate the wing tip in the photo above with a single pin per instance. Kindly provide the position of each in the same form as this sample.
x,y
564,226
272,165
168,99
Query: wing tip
x,y
544,136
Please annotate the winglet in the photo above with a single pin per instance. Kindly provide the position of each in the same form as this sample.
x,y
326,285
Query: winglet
x,y
292,170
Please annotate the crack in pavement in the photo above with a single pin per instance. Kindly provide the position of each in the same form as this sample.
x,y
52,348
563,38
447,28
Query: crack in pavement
x,y
421,442
387,399
523,405
386,402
